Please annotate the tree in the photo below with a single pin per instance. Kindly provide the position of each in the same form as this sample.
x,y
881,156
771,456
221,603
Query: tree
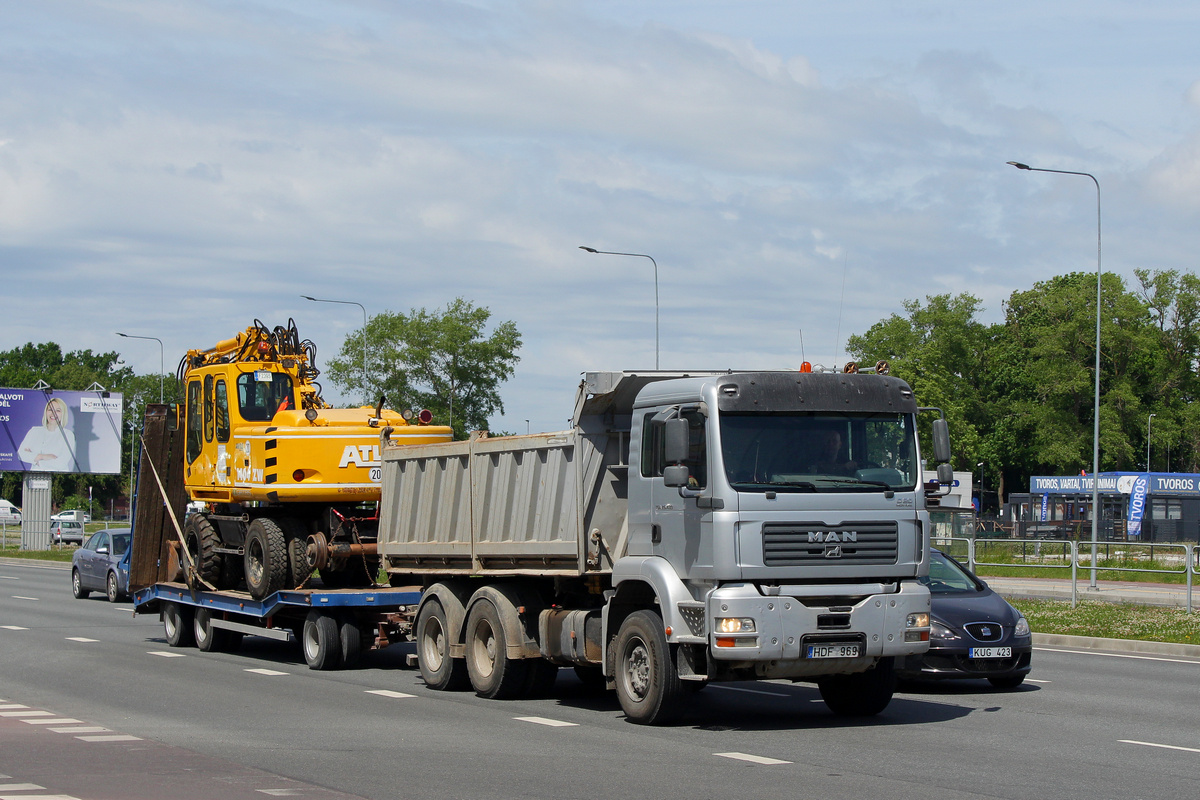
x,y
440,360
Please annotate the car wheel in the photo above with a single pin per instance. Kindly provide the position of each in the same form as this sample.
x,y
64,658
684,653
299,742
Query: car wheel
x,y
77,586
111,589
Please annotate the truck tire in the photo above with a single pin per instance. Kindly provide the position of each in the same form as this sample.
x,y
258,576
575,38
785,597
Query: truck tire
x,y
202,539
350,638
321,641
266,558
177,625
210,639
863,694
493,674
297,549
648,684
439,670
77,586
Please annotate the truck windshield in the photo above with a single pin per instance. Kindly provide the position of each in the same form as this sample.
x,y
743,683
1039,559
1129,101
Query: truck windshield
x,y
262,394
819,452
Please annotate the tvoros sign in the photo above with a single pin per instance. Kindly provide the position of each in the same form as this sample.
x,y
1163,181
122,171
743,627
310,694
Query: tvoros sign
x,y
60,431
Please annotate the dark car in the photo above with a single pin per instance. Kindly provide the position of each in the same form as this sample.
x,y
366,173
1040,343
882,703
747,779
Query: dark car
x,y
102,565
64,531
975,632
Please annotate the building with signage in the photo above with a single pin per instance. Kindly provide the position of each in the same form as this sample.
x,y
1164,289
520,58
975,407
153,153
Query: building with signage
x,y
1134,506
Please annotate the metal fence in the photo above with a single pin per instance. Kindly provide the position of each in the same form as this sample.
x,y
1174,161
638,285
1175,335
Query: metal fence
x,y
1061,556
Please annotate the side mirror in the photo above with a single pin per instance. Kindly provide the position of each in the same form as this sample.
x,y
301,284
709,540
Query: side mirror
x,y
675,448
102,551
941,441
945,474
676,476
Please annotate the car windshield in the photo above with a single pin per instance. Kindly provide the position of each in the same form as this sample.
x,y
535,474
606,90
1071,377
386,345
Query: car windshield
x,y
120,543
819,452
946,576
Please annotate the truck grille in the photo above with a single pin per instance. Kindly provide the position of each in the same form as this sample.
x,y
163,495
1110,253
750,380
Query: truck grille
x,y
792,544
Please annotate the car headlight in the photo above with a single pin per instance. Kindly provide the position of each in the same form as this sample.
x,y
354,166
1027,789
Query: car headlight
x,y
1022,628
939,631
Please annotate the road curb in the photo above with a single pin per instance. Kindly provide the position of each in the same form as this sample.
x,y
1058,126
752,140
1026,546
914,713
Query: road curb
x,y
1116,645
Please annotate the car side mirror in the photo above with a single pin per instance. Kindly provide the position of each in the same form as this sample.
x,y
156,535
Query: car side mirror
x,y
102,550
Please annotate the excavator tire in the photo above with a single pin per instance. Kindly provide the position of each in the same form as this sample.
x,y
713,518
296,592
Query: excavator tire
x,y
266,558
202,540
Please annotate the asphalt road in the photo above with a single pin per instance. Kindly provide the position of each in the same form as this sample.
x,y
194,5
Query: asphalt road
x,y
259,723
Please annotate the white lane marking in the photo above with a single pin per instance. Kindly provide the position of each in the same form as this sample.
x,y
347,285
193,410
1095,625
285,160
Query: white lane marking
x,y
1035,680
38,797
23,597
751,691
29,713
12,705
553,723
19,787
280,792
166,654
115,737
13,628
388,693
8,578
81,639
752,759
261,671
1119,655
53,721
82,729
1164,746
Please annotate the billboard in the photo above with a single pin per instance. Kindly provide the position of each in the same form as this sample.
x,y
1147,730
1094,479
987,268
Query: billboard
x,y
60,431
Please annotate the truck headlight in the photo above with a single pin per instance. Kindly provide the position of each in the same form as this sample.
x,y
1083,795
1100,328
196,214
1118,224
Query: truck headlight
x,y
918,620
735,625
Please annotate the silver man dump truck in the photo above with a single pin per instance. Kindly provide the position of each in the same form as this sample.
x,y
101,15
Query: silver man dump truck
x,y
688,528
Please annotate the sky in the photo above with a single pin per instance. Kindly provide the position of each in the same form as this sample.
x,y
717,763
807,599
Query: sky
x,y
796,170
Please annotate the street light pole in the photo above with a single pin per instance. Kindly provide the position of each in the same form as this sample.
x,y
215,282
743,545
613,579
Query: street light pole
x,y
162,368
980,465
1152,416
1096,402
366,391
655,263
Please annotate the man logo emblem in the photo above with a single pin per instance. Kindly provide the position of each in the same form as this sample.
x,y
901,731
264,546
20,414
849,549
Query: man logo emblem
x,y
833,551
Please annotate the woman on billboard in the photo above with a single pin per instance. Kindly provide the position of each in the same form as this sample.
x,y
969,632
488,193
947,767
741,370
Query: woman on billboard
x,y
50,447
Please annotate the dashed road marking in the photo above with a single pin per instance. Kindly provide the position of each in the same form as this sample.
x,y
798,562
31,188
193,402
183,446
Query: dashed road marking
x,y
752,759
13,628
553,723
81,639
53,721
1035,680
23,597
19,787
166,654
263,671
389,693
114,737
82,729
752,691
8,706
1164,746
280,792
27,713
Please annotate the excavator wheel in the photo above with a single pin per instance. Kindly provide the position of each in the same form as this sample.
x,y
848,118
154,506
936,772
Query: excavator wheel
x,y
202,540
266,558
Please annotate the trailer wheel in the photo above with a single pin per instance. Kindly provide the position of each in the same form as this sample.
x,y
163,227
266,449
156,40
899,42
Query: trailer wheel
x,y
266,558
862,694
439,670
648,684
202,540
493,673
321,641
177,625
350,638
208,638
77,586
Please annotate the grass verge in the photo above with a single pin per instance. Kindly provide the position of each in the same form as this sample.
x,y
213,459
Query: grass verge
x,y
1111,620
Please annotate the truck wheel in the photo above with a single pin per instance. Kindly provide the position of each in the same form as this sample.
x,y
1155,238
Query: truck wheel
x,y
439,671
540,677
648,684
266,558
202,540
177,625
297,550
321,641
77,586
493,673
862,694
208,638
350,638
